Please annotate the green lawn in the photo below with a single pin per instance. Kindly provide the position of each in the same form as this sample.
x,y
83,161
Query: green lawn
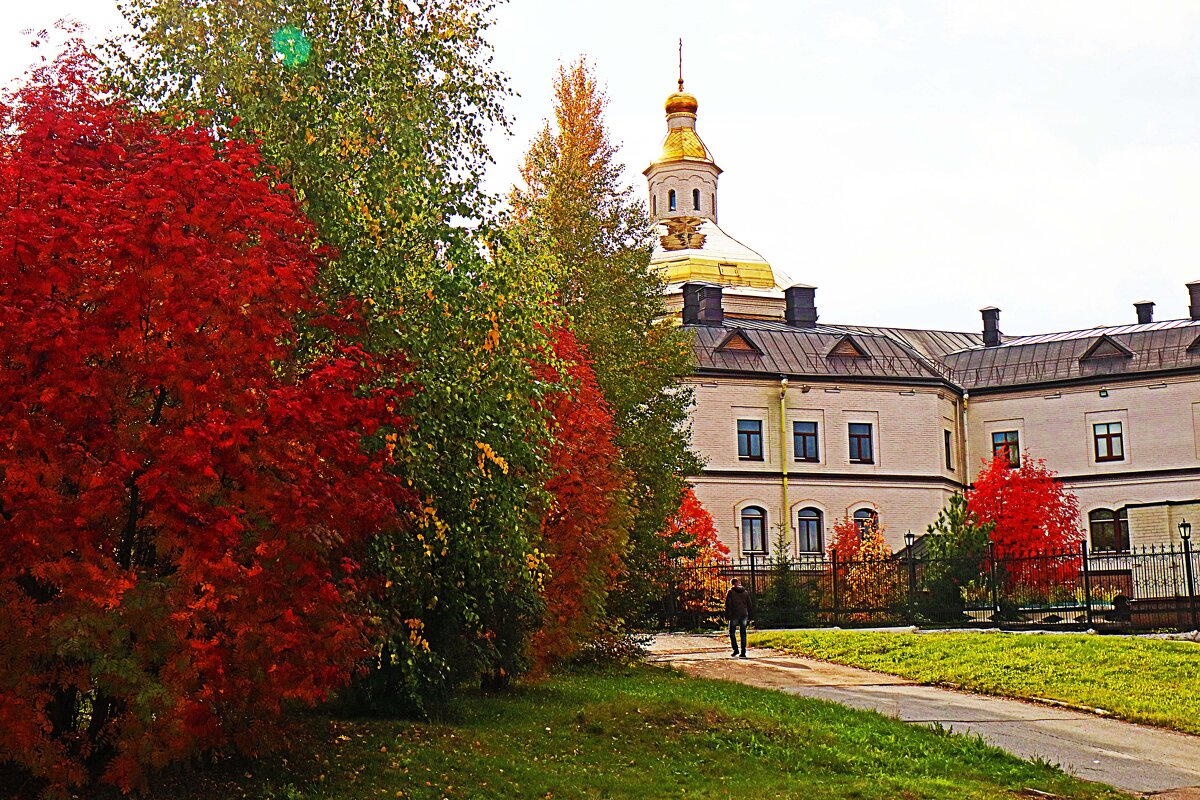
x,y
643,732
1144,680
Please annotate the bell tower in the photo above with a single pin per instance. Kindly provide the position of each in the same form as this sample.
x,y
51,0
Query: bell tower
x,y
683,179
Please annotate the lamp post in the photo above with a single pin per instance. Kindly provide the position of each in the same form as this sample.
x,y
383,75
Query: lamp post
x,y
1185,533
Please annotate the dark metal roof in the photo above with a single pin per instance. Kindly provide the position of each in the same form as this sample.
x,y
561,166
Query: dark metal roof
x,y
1154,347
955,357
1092,333
804,351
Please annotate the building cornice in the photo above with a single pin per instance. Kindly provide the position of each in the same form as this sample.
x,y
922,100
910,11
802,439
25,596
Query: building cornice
x,y
831,380
1093,381
1127,475
874,477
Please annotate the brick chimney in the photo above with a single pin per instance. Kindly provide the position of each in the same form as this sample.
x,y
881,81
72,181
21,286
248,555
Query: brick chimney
x,y
1194,295
801,309
702,305
991,326
1145,311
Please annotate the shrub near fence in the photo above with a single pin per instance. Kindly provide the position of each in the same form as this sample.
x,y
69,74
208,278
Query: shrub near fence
x,y
1149,588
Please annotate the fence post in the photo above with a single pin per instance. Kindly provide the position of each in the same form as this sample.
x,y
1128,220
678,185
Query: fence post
x,y
992,581
753,580
1087,583
1191,585
834,573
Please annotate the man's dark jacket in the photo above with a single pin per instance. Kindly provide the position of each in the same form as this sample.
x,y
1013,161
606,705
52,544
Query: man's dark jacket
x,y
737,603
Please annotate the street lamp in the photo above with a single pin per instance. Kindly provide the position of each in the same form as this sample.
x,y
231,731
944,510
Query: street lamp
x,y
909,539
1185,530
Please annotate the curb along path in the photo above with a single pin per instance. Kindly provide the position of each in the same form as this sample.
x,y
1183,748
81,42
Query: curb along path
x,y
1134,758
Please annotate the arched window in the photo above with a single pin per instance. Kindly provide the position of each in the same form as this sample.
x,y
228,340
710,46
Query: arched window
x,y
1109,530
670,199
653,205
864,516
695,199
754,530
809,531
712,201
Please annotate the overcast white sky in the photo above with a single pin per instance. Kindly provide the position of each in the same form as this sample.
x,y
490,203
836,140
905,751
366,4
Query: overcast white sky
x,y
915,161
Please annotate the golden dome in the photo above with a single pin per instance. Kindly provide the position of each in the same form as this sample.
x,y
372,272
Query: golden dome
x,y
681,102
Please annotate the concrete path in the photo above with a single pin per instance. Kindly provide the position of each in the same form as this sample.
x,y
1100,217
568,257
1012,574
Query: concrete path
x,y
1131,757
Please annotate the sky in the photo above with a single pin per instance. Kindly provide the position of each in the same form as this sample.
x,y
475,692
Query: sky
x,y
915,161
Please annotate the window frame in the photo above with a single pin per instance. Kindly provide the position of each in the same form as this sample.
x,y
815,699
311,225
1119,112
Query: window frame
x,y
1009,447
1115,528
856,440
812,438
695,199
671,200
860,517
813,523
751,514
1108,438
948,436
750,438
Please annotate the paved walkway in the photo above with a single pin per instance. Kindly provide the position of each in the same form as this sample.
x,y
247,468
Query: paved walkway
x,y
1131,757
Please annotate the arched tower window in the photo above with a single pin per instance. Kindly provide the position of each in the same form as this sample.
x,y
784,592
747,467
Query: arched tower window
x,y
695,199
754,530
671,200
653,205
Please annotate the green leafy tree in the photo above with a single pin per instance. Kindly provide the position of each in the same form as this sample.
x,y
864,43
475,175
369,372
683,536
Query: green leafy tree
x,y
375,113
574,207
956,550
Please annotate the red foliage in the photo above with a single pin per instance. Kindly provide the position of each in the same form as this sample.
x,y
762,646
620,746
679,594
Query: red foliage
x,y
692,534
181,499
584,531
1033,514
847,539
1031,509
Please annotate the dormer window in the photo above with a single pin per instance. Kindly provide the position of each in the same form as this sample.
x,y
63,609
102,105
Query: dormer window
x,y
695,199
671,200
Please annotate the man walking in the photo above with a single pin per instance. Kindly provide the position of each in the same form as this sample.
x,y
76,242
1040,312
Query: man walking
x,y
737,611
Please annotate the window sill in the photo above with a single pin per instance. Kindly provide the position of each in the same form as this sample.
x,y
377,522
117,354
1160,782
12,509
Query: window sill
x,y
808,460
870,461
750,458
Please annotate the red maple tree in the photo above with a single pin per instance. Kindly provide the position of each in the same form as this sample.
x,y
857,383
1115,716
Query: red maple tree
x,y
1037,520
1031,509
691,532
585,528
183,491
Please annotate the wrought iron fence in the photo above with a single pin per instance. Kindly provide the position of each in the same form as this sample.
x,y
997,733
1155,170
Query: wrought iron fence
x,y
1147,588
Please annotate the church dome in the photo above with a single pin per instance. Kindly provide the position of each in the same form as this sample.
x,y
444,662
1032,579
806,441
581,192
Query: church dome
x,y
681,102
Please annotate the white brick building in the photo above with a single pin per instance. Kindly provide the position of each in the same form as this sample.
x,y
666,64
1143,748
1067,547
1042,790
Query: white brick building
x,y
807,422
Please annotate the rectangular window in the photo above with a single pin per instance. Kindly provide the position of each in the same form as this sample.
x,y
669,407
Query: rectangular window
x,y
1109,446
861,451
1007,444
749,434
949,437
804,440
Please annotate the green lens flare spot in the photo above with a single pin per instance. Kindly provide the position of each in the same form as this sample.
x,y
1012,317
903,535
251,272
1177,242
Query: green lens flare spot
x,y
291,46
